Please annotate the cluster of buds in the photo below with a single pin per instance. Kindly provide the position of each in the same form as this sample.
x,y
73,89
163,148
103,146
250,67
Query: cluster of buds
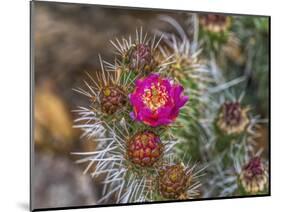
x,y
233,119
144,95
254,176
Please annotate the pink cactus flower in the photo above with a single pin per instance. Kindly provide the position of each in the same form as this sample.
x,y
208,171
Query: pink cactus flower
x,y
156,100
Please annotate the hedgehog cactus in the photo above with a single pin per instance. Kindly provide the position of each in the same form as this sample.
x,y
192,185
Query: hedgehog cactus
x,y
133,100
162,106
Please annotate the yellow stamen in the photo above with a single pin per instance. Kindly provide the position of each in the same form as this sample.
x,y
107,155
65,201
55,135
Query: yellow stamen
x,y
155,97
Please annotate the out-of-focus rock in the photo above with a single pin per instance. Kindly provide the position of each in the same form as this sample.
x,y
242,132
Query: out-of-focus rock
x,y
53,122
59,183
